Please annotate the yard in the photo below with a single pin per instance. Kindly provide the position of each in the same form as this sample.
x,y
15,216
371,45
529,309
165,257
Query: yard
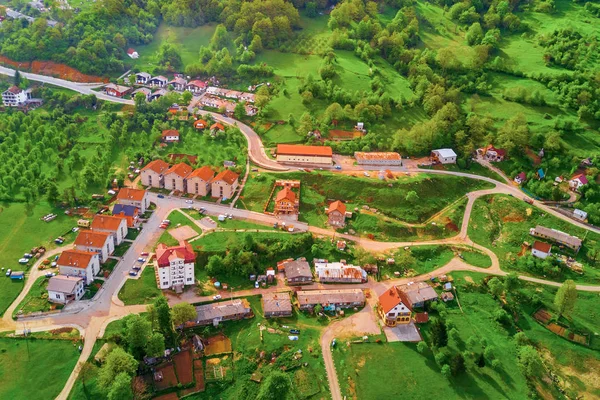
x,y
36,299
142,290
36,367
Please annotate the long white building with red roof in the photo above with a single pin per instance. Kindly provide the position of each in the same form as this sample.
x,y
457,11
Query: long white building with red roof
x,y
175,266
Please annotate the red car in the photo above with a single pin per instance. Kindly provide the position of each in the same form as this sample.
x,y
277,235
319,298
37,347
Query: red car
x,y
144,254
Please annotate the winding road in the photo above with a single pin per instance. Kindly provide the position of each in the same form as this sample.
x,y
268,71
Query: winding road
x,y
92,316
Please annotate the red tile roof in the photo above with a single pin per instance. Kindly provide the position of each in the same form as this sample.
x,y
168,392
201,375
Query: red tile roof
x,y
542,246
14,90
130,51
300,150
180,169
205,173
217,126
75,258
184,250
106,222
197,83
91,238
170,132
158,166
337,206
421,318
390,299
131,194
582,178
227,176
286,193
200,124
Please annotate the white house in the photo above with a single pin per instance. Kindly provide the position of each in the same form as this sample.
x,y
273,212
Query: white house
x,y
141,78
95,242
64,289
443,156
82,264
116,226
577,182
178,84
15,96
132,53
541,249
134,197
158,81
579,214
392,309
175,266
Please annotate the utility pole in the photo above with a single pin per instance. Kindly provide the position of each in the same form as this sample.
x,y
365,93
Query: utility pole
x,y
26,333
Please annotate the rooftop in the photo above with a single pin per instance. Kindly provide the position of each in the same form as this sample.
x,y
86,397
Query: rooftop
x,y
126,210
390,299
359,155
106,222
276,302
184,250
158,166
300,150
542,246
337,206
223,309
295,269
75,258
63,283
131,194
286,193
417,292
91,238
180,169
226,175
335,296
205,173
445,153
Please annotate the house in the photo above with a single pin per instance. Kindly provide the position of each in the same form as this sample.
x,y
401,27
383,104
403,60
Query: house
x,y
198,182
378,158
15,97
443,156
577,182
392,309
134,197
297,272
170,135
158,81
336,214
289,153
416,294
492,154
157,94
572,242
277,304
214,313
330,299
519,179
83,264
142,78
224,184
200,124
196,86
116,90
116,226
153,173
175,266
217,127
175,177
132,53
145,91
447,296
65,289
339,272
95,242
579,214
127,212
178,84
286,202
250,110
541,249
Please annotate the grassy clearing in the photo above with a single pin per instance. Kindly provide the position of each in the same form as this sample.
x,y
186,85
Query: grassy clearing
x,y
177,219
501,223
434,193
142,290
36,299
476,259
16,238
38,366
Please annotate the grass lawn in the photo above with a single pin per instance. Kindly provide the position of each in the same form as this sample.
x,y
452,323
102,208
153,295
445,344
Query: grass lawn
x,y
501,223
121,249
17,238
40,372
177,219
142,290
434,193
132,233
36,299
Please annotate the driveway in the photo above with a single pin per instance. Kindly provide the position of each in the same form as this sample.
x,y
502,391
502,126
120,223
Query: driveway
x,y
402,333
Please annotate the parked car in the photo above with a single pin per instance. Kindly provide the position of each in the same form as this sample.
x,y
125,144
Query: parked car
x,y
136,267
23,260
50,274
53,264
132,273
142,260
366,174
295,331
166,221
338,167
161,196
27,255
144,253
56,257
9,272
189,201
217,297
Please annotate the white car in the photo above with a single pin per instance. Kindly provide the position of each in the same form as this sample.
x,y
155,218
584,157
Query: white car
x,y
217,297
189,201
366,174
23,260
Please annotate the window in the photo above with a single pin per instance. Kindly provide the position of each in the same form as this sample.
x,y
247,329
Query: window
x,y
189,279
57,296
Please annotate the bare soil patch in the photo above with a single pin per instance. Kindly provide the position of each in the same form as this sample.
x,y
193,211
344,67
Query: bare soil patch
x,y
169,379
218,344
183,364
183,233
53,69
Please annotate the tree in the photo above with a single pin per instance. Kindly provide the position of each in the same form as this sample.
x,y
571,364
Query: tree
x,y
565,298
239,112
163,316
17,78
138,330
446,371
276,387
457,364
220,38
474,34
52,193
421,346
305,125
118,361
514,134
215,265
453,334
186,97
511,282
412,197
183,312
439,333
262,96
155,346
529,361
311,9
121,388
152,315
496,287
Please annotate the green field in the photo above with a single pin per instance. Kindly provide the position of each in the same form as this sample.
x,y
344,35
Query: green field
x,y
36,368
177,219
142,290
36,299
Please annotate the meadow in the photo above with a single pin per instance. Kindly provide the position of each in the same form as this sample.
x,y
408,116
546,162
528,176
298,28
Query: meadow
x,y
142,290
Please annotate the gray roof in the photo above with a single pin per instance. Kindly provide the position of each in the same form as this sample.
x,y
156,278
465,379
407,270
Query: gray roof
x,y
144,74
296,269
418,292
63,284
561,237
223,309
276,302
330,296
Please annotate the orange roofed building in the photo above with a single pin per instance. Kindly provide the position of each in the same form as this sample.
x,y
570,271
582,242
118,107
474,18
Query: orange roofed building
x,y
115,226
286,202
225,184
299,154
336,214
198,182
152,174
82,264
392,309
95,242
175,266
176,175
133,197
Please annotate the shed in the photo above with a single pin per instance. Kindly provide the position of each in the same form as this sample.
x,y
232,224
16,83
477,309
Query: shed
x,y
447,286
421,318
17,275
